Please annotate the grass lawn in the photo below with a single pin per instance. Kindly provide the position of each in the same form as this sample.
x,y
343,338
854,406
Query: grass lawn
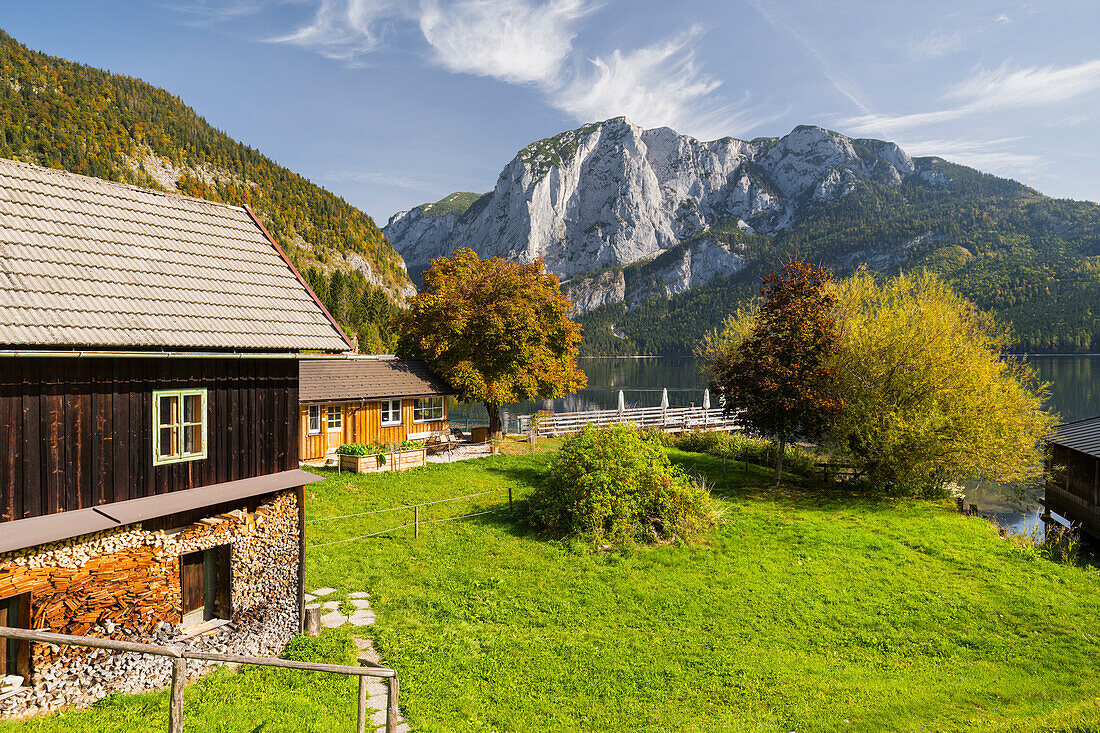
x,y
801,612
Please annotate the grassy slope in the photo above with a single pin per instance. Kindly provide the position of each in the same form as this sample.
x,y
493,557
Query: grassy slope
x,y
801,614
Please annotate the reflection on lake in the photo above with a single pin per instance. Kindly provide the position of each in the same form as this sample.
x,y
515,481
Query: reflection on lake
x,y
1075,395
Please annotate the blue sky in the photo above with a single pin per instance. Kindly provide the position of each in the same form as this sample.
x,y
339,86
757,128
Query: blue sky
x,y
391,104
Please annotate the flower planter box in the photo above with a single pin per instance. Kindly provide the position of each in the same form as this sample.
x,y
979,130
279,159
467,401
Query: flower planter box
x,y
397,460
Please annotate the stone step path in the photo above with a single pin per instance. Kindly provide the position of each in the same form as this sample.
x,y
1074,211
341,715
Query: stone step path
x,y
332,617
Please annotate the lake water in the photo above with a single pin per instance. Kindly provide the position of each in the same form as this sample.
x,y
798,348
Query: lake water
x,y
1075,395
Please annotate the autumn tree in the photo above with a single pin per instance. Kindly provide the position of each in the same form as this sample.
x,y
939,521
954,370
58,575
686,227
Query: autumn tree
x,y
771,365
496,331
930,398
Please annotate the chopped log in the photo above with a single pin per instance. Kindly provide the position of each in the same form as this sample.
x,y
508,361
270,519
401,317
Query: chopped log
x,y
313,621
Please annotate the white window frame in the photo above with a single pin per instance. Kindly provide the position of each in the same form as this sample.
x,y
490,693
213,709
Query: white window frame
x,y
388,407
338,411
180,425
436,409
313,420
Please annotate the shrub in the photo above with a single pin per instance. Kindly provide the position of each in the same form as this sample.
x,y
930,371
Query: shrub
x,y
739,447
352,449
616,486
410,444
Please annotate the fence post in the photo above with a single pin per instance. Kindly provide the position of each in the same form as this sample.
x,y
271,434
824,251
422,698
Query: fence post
x,y
175,706
391,704
509,498
416,522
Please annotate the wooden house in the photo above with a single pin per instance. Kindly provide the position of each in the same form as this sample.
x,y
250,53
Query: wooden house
x,y
149,480
363,399
1073,470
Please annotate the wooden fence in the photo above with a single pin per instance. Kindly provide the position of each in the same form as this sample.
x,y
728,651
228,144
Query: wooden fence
x,y
180,656
671,419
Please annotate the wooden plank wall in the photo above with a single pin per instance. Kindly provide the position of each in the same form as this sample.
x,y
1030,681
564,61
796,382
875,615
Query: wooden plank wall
x,y
368,427
77,432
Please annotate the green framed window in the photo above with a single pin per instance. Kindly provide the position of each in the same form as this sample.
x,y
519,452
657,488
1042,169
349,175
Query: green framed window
x,y
179,425
428,409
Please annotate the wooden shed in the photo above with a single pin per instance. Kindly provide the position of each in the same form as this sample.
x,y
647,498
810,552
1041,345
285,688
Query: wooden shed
x,y
1073,470
149,479
363,399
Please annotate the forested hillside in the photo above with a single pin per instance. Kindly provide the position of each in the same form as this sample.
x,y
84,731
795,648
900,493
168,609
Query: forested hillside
x,y
1032,260
62,114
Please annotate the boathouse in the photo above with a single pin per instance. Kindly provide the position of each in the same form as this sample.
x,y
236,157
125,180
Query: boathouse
x,y
149,481
1073,471
364,399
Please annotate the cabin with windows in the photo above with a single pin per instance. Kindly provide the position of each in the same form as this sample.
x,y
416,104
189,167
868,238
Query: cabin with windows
x,y
149,480
363,399
1073,474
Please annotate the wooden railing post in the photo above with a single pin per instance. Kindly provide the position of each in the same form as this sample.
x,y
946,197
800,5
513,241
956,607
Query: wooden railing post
x,y
391,704
179,659
175,706
361,720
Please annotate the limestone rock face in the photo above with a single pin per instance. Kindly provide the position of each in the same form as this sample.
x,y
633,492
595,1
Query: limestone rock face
x,y
611,194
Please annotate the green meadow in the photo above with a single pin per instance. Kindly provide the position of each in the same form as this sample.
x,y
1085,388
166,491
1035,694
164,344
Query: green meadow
x,y
807,609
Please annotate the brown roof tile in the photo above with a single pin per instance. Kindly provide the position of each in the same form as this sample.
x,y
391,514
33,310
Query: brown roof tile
x,y
366,378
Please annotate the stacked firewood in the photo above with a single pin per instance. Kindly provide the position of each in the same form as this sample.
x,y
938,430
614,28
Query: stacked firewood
x,y
125,584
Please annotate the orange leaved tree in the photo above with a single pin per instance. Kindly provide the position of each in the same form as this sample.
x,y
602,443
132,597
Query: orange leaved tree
x,y
778,375
496,331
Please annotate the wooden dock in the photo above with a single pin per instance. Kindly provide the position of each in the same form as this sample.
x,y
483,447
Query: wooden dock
x,y
669,419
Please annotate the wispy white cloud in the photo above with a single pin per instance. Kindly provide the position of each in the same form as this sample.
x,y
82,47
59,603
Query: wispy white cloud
x,y
215,11
779,19
654,86
399,179
511,40
343,29
991,156
533,42
938,44
1006,88
993,90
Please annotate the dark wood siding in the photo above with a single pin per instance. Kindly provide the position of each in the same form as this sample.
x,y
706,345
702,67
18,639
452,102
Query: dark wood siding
x,y
76,433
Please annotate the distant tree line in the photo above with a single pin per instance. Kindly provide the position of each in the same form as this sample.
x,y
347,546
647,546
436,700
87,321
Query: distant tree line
x,y
362,308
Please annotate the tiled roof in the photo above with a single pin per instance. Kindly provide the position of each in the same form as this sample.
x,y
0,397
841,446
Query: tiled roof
x,y
366,378
90,263
1082,436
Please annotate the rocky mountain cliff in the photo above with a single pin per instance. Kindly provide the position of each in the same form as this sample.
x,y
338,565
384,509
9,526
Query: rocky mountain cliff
x,y
612,194
659,236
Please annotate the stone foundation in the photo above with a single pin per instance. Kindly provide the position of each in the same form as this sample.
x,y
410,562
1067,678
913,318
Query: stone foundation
x,y
125,584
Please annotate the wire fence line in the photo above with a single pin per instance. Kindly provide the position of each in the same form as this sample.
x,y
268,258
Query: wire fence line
x,y
417,522
407,506
414,525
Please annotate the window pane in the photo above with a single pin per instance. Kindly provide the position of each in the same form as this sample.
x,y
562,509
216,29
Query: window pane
x,y
192,408
192,439
168,406
168,442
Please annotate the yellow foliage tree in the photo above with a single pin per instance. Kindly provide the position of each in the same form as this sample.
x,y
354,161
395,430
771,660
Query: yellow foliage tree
x,y
929,396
